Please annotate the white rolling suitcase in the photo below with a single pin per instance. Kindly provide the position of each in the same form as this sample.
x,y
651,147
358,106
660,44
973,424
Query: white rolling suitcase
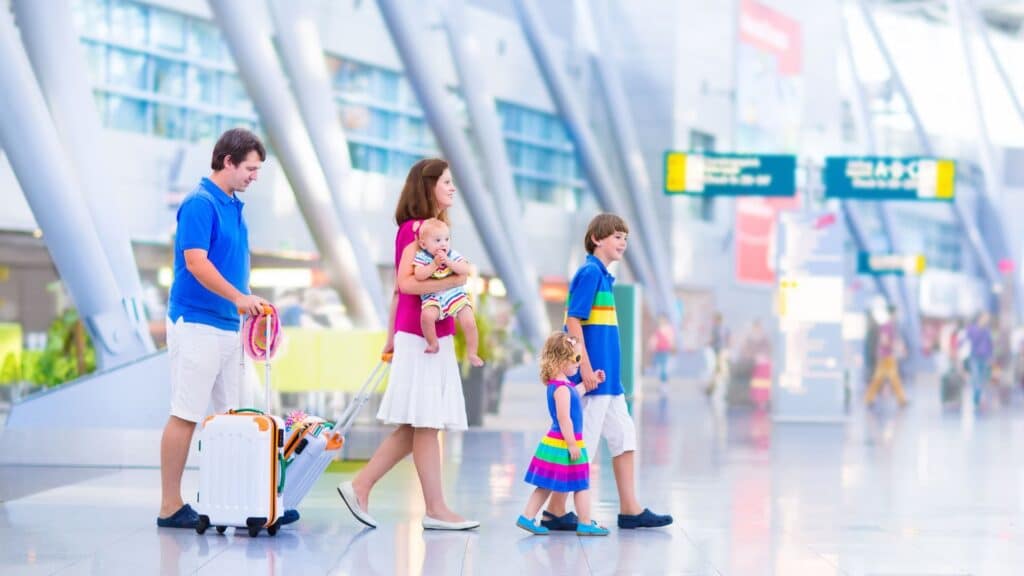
x,y
241,466
313,443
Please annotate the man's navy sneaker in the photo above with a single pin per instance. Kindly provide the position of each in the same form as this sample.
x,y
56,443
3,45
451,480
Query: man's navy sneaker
x,y
645,519
565,523
289,517
185,517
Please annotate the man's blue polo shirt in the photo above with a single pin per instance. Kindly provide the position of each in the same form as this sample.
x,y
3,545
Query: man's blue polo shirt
x,y
592,302
211,220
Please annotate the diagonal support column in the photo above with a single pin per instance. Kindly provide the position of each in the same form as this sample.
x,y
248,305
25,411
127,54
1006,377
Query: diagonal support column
x,y
962,17
480,104
965,221
453,142
52,44
911,318
982,30
46,176
598,176
635,168
987,151
298,42
857,233
265,82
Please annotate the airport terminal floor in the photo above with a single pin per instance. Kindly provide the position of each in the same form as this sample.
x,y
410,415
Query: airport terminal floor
x,y
914,491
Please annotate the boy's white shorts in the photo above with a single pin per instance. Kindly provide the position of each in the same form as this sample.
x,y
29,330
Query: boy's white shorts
x,y
606,416
204,369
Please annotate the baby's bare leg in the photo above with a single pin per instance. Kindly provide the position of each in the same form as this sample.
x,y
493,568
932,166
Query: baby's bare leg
x,y
468,323
428,319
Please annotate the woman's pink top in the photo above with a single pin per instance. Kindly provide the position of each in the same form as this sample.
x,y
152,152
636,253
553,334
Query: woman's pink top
x,y
407,314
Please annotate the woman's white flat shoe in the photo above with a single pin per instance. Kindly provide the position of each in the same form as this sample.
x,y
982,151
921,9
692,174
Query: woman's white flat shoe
x,y
434,524
348,496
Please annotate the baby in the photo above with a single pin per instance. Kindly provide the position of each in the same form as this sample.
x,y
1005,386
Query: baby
x,y
436,260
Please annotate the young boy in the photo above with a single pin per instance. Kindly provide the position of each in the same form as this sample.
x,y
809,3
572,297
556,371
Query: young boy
x,y
591,319
436,259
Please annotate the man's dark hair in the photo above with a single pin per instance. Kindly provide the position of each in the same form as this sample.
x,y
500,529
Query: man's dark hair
x,y
236,143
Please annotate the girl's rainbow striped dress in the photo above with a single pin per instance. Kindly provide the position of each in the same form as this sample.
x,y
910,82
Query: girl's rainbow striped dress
x,y
550,467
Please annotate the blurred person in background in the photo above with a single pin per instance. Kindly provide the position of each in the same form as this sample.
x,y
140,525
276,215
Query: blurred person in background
x,y
758,347
951,345
979,361
663,345
719,344
887,353
870,347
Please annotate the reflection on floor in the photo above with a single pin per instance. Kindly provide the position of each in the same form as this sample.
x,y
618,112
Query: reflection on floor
x,y
912,492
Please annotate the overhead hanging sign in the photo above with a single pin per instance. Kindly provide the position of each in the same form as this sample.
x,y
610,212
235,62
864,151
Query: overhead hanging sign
x,y
890,178
890,264
710,174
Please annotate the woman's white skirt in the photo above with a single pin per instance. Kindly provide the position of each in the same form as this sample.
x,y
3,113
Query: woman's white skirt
x,y
424,390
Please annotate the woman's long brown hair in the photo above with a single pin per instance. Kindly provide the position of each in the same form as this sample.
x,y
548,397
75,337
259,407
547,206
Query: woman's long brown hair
x,y
417,201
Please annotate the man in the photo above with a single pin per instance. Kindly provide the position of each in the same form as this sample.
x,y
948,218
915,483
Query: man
x,y
210,289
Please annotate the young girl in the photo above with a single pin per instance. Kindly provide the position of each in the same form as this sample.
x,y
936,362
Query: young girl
x,y
560,463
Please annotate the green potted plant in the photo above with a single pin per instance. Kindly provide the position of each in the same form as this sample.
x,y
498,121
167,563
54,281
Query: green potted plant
x,y
481,387
68,354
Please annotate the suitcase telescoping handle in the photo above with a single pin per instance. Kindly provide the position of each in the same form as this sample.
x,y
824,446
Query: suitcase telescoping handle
x,y
267,311
348,416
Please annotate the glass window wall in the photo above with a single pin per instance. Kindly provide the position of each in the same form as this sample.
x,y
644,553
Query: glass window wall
x,y
160,72
541,155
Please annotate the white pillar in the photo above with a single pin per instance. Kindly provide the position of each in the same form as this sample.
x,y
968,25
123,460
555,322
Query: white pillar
x,y
33,149
299,42
258,66
481,105
456,149
60,66
598,175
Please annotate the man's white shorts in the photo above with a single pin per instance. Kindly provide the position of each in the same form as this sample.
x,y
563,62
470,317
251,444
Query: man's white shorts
x,y
204,368
606,416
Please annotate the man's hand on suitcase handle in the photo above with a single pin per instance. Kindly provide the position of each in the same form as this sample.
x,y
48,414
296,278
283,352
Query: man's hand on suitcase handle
x,y
253,305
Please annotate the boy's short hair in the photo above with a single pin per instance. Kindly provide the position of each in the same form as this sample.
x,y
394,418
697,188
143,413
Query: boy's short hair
x,y
430,225
603,226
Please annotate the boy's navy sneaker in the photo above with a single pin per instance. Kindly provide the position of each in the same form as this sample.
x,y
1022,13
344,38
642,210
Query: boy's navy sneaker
x,y
185,517
645,519
289,517
565,523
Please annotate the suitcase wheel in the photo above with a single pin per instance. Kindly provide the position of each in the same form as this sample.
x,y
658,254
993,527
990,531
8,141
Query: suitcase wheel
x,y
254,531
221,529
204,523
273,528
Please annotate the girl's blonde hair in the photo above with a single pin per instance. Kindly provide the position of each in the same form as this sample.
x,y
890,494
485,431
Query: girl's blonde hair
x,y
559,350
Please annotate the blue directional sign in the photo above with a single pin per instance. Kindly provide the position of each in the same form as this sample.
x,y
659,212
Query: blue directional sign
x,y
889,178
710,174
890,264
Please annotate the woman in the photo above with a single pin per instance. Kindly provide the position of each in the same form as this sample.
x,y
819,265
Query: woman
x,y
424,393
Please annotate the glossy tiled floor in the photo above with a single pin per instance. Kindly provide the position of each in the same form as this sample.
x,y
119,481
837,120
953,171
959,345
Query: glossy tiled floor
x,y
914,492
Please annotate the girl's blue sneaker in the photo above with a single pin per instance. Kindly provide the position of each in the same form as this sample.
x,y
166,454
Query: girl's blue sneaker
x,y
532,527
591,529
